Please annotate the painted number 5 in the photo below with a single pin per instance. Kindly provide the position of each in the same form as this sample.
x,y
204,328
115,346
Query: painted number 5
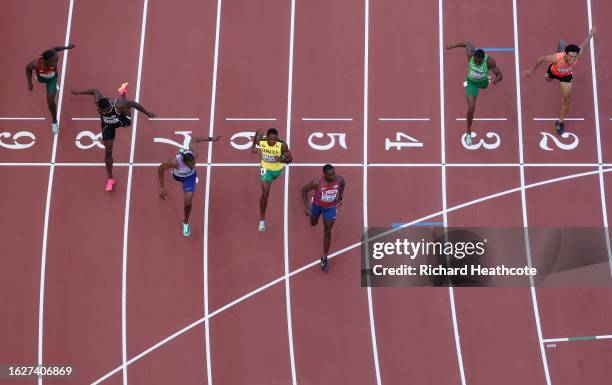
x,y
332,140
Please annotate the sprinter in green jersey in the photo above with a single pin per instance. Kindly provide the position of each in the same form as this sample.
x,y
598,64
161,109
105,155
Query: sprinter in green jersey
x,y
479,66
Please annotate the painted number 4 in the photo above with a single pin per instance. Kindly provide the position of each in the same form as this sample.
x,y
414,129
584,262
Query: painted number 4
x,y
401,141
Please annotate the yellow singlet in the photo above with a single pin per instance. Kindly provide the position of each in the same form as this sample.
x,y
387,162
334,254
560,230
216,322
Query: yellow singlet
x,y
268,154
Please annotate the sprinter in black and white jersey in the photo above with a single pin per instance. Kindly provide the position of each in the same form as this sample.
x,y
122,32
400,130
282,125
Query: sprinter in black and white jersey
x,y
113,114
183,170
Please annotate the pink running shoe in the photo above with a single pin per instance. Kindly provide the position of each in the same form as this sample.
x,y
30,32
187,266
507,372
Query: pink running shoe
x,y
123,89
109,184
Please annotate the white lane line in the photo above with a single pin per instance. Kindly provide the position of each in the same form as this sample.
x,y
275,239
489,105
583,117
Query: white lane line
x,y
365,182
45,164
84,118
20,118
200,164
340,252
602,190
403,119
126,218
286,200
211,125
43,261
451,292
252,119
555,119
175,119
404,165
327,119
484,119
519,115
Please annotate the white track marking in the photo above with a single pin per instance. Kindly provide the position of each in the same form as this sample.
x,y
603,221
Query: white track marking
x,y
175,119
126,218
286,200
84,118
138,164
20,118
404,165
519,115
43,259
252,119
365,182
404,119
322,164
211,125
340,252
555,119
483,119
451,292
602,190
327,119
44,164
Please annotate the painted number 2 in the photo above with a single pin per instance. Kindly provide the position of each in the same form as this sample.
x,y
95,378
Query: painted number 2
x,y
186,138
570,145
489,145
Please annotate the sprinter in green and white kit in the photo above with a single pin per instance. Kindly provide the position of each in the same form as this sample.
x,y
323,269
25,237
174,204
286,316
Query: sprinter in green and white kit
x,y
479,66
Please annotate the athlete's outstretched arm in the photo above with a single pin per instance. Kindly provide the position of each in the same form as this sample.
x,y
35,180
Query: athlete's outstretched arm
x,y
140,108
587,40
90,91
492,65
543,59
286,154
313,185
341,192
469,47
258,136
167,165
31,66
59,48
196,139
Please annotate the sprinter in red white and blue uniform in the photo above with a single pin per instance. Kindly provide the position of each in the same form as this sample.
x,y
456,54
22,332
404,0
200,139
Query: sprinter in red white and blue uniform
x,y
183,169
327,197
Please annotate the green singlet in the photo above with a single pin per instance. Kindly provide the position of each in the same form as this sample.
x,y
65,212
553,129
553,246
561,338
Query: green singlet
x,y
477,76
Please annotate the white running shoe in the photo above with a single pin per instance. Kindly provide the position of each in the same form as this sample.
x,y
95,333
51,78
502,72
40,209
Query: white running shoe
x,y
262,226
468,139
55,128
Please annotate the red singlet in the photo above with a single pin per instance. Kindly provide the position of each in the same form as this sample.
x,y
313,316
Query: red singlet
x,y
327,194
43,71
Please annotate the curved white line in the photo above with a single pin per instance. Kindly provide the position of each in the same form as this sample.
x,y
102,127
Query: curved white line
x,y
348,248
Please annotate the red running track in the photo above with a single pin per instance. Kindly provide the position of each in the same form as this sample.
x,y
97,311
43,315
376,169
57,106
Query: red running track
x,y
216,308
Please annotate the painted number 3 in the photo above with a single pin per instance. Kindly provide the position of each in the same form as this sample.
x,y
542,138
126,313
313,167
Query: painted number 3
x,y
489,145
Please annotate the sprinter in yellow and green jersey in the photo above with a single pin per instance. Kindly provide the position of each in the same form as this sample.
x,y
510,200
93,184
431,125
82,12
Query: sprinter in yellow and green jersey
x,y
479,66
274,155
